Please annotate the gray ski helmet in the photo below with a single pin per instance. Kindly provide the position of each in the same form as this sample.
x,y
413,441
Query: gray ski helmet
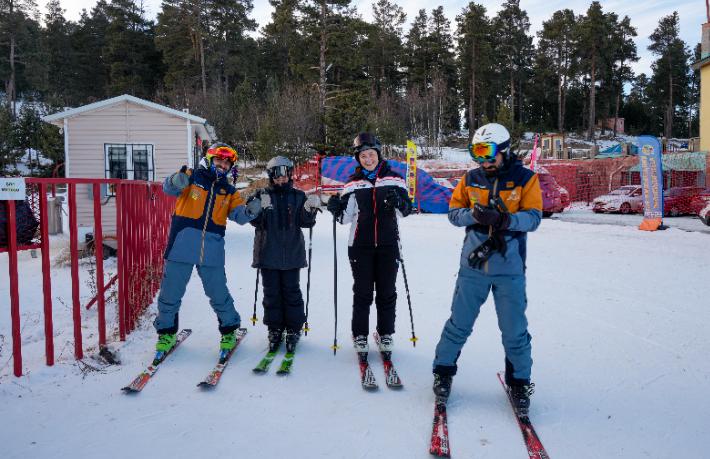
x,y
366,141
279,166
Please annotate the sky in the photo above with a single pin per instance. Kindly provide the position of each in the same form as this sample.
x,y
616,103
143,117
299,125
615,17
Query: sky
x,y
644,15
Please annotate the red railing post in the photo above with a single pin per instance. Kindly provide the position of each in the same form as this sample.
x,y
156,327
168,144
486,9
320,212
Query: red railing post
x,y
120,261
99,253
74,250
46,276
14,288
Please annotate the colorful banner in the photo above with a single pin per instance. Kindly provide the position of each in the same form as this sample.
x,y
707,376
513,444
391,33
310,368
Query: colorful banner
x,y
433,197
650,163
411,169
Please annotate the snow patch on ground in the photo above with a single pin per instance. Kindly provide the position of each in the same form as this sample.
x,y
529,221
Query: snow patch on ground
x,y
619,343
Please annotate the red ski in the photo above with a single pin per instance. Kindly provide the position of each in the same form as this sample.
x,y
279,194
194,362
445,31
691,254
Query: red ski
x,y
142,379
440,432
532,441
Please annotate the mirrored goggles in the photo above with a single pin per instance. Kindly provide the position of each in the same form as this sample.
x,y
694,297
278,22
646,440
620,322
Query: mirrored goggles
x,y
482,152
280,171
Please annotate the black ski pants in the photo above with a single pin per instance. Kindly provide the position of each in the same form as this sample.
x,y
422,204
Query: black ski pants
x,y
374,271
283,302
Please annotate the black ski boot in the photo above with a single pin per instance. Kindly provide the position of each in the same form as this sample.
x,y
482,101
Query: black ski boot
x,y
442,387
292,338
520,394
361,347
275,338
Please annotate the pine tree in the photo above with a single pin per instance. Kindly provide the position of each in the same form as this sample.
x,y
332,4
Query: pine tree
x,y
135,66
593,34
385,47
623,53
57,54
514,48
474,60
17,27
670,71
557,44
91,73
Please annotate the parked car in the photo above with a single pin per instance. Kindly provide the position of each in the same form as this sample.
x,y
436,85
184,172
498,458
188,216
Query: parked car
x,y
551,196
699,201
564,196
676,200
704,214
626,199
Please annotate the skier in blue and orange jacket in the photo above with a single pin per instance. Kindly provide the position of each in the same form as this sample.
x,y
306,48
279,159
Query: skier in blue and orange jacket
x,y
498,204
205,201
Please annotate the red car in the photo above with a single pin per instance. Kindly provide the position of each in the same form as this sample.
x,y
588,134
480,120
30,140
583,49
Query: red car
x,y
677,200
699,201
551,194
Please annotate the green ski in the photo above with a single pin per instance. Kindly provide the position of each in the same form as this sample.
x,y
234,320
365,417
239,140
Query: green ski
x,y
265,363
286,364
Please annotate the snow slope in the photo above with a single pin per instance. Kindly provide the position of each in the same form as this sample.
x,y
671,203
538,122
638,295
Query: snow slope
x,y
619,323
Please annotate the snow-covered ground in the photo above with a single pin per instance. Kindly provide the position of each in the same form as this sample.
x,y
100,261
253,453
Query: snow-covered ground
x,y
619,323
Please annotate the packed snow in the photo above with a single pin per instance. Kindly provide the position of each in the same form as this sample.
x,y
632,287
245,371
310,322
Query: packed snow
x,y
619,323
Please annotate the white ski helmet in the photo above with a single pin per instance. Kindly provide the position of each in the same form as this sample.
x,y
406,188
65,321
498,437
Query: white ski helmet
x,y
493,132
279,166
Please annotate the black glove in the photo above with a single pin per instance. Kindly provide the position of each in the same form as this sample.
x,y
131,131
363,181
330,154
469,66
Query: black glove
x,y
490,216
335,206
393,200
481,254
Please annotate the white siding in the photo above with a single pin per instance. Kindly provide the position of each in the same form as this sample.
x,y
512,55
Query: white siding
x,y
121,123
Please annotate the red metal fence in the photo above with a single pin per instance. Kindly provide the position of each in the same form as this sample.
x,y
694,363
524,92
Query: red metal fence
x,y
142,222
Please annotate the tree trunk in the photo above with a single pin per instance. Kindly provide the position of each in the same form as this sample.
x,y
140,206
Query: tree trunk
x,y
560,115
592,95
322,67
512,99
669,112
616,109
472,95
203,71
11,92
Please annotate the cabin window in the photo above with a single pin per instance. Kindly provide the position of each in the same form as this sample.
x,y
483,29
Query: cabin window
x,y
129,161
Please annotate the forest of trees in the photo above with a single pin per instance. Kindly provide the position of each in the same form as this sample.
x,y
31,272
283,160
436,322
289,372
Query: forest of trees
x,y
318,73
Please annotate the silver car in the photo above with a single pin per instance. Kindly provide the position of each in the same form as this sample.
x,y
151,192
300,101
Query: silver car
x,y
626,199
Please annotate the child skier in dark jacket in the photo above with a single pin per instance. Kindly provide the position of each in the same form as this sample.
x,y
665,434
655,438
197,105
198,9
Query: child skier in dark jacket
x,y
279,251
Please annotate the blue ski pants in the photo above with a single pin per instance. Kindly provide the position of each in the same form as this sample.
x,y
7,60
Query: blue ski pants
x,y
176,275
472,288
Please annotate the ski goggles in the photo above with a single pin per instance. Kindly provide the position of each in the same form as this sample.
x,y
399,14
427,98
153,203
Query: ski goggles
x,y
483,152
280,171
223,153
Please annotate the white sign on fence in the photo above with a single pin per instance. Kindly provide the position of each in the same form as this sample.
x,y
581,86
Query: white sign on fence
x,y
12,189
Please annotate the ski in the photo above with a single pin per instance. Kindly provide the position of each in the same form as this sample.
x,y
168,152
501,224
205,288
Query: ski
x,y
216,374
439,445
367,377
265,363
142,379
391,377
532,441
286,364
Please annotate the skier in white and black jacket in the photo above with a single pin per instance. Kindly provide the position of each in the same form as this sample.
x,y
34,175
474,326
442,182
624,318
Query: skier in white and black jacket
x,y
372,199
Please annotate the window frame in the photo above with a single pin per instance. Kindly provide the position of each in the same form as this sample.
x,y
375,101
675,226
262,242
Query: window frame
x,y
130,163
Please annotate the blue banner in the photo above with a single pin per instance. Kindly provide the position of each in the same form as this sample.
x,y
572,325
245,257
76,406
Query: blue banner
x,y
433,197
651,166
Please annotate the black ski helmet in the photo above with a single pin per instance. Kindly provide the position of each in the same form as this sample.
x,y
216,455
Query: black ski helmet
x,y
366,141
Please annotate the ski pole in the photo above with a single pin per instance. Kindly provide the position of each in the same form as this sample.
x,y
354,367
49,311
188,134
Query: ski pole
x,y
335,288
400,258
308,283
254,320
